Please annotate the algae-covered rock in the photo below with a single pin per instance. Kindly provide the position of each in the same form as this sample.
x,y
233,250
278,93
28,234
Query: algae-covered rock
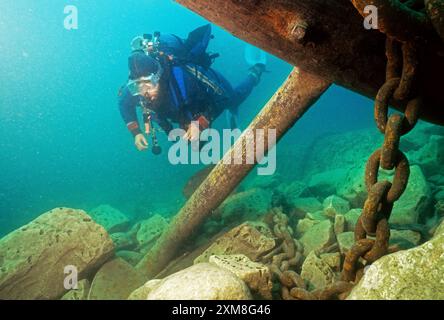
x,y
33,258
414,274
256,276
203,281
339,224
316,272
353,187
334,205
306,205
150,230
110,218
318,237
142,292
244,239
304,225
81,293
123,240
431,155
326,183
333,259
115,281
416,201
405,239
247,205
351,218
132,257
345,241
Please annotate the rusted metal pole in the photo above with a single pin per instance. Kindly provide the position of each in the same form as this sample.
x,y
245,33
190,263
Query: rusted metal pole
x,y
328,38
289,103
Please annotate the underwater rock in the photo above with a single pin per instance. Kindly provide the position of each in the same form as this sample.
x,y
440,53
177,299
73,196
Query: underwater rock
x,y
437,179
203,281
256,276
341,150
318,237
247,205
123,240
334,205
115,280
439,195
110,218
81,293
431,155
416,201
316,272
292,190
33,257
439,230
304,225
405,239
265,182
353,187
333,260
317,216
132,257
150,230
244,239
345,241
414,274
326,183
306,205
351,218
142,292
339,224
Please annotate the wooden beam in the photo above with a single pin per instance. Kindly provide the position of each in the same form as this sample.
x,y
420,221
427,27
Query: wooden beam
x,y
290,102
324,37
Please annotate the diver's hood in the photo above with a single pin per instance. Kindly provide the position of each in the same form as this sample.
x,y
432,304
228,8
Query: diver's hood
x,y
142,65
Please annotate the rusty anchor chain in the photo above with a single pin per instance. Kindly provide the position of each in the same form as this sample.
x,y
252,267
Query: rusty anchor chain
x,y
372,232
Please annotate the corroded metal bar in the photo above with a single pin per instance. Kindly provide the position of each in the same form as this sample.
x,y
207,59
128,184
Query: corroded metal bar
x,y
289,103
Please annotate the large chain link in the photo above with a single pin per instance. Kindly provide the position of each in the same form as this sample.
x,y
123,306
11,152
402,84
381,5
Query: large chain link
x,y
373,221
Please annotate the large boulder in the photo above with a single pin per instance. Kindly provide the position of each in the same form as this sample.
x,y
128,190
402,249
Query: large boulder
x,y
302,206
353,187
33,258
150,230
245,239
318,237
247,205
334,205
115,280
81,293
316,272
132,257
326,183
414,274
110,218
415,204
431,156
203,281
256,276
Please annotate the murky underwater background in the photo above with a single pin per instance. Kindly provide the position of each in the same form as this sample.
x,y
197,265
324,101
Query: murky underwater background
x,y
63,142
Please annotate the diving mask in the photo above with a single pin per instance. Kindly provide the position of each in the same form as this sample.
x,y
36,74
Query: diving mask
x,y
144,86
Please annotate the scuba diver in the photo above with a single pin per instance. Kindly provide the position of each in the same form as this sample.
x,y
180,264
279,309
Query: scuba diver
x,y
171,79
